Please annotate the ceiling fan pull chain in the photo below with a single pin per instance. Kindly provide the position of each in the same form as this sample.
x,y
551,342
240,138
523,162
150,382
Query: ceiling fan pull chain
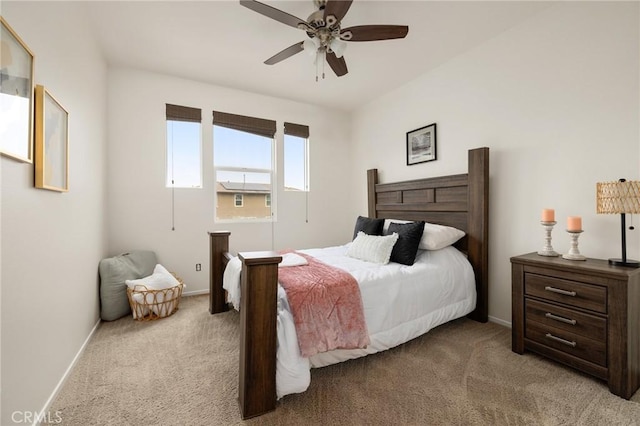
x,y
317,65
324,56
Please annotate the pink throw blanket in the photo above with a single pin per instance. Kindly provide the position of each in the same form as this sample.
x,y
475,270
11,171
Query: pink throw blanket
x,y
326,307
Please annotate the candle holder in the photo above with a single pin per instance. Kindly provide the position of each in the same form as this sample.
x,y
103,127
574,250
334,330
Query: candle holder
x,y
574,253
547,250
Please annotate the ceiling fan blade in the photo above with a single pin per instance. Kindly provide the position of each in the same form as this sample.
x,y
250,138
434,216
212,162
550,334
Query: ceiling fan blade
x,y
374,32
338,65
273,13
286,53
337,8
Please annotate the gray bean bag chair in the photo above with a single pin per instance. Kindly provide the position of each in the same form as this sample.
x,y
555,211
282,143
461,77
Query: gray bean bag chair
x,y
114,271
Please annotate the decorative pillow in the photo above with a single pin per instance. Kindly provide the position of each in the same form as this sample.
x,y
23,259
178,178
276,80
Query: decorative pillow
x,y
409,235
372,248
434,237
113,273
368,225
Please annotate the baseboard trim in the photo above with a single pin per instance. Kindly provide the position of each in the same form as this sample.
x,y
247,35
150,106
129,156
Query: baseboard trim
x,y
56,390
500,321
195,293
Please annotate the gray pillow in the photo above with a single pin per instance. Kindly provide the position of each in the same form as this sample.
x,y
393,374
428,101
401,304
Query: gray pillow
x,y
113,273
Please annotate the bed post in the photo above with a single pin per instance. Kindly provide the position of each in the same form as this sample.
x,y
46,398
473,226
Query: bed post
x,y
372,181
218,256
258,333
478,226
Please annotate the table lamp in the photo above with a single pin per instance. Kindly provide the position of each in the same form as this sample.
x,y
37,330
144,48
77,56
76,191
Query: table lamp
x,y
621,197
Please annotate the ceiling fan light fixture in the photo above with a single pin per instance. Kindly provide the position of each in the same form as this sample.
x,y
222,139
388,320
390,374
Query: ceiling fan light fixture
x,y
338,47
310,46
326,36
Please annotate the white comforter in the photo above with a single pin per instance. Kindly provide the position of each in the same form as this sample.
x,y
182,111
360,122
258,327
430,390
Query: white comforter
x,y
400,303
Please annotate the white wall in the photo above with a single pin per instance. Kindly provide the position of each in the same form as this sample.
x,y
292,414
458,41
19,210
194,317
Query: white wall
x,y
140,204
52,242
555,99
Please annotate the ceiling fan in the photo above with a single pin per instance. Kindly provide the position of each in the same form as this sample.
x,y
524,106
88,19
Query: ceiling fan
x,y
326,37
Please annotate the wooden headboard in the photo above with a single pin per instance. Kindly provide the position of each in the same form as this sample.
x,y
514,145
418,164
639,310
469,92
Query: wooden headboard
x,y
461,201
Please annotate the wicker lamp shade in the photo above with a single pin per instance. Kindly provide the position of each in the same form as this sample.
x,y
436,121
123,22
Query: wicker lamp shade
x,y
618,197
621,197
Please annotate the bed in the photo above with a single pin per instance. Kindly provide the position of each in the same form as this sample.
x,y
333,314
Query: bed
x,y
460,201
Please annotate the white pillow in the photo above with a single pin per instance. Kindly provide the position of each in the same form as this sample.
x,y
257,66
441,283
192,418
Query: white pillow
x,y
372,248
434,237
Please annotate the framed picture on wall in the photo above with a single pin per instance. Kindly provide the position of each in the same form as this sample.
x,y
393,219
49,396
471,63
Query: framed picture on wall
x,y
52,142
421,145
16,96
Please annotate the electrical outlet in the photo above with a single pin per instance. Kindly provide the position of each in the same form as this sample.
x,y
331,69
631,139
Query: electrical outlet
x,y
198,267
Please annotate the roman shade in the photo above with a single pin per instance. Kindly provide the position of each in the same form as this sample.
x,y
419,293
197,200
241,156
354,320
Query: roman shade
x,y
256,126
299,130
183,113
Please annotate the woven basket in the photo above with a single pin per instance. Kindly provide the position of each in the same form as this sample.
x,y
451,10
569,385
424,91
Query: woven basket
x,y
147,304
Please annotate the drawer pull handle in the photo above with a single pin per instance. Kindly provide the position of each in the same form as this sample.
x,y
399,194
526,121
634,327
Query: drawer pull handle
x,y
559,318
561,340
560,291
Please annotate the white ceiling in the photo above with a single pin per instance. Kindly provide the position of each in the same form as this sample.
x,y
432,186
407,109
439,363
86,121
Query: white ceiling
x,y
224,43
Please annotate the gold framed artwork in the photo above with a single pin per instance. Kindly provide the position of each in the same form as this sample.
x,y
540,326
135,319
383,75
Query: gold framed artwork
x,y
16,96
52,142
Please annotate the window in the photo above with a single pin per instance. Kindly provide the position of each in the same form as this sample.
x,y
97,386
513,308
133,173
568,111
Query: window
x,y
243,157
184,147
296,157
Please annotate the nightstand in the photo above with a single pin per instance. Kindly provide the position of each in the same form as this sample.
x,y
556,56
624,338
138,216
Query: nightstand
x,y
585,314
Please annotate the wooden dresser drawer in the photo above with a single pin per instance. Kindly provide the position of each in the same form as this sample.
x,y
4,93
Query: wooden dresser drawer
x,y
569,320
594,351
580,313
572,293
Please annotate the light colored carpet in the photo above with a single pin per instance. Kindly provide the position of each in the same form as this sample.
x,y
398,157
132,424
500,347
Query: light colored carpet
x,y
183,370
